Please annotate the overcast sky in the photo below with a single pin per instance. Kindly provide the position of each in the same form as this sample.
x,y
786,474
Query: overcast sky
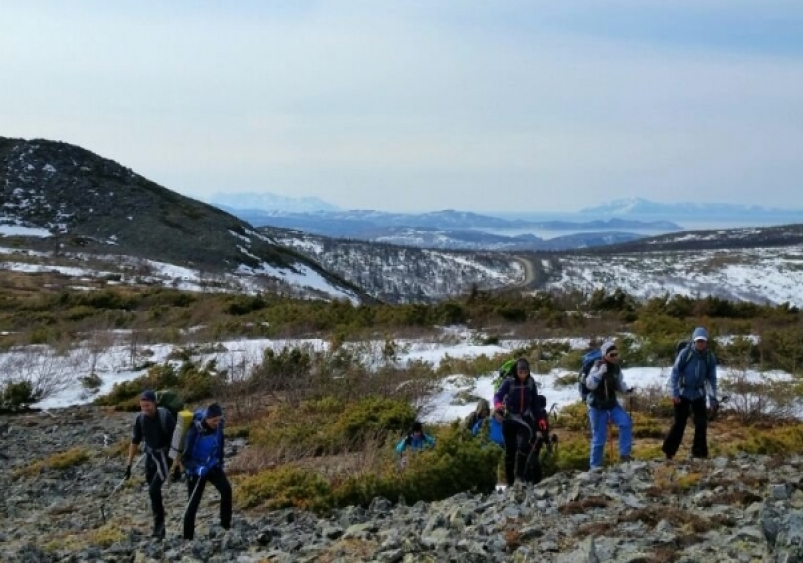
x,y
421,105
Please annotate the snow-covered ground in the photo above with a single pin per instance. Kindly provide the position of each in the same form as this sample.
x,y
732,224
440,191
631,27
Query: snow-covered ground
x,y
455,399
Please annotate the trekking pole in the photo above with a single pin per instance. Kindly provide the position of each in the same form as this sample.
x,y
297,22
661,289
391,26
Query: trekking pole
x,y
192,496
610,438
117,488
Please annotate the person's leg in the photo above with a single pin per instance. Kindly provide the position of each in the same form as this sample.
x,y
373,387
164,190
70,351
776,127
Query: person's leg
x,y
221,483
524,441
599,423
675,435
700,416
510,434
197,485
154,477
622,420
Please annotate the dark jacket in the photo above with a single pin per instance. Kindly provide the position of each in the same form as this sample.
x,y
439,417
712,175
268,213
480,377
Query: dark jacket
x,y
157,432
518,398
604,381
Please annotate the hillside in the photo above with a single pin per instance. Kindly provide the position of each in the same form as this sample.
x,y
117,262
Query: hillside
x,y
70,203
397,274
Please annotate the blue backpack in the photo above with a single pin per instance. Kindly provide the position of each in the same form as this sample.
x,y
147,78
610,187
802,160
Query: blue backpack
x,y
588,362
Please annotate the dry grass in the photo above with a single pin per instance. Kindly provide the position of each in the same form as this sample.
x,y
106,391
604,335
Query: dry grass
x,y
359,550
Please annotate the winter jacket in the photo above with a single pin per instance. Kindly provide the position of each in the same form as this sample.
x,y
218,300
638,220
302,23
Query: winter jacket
x,y
517,397
495,430
415,443
603,381
203,446
692,370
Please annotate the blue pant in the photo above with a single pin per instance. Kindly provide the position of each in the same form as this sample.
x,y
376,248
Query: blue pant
x,y
598,419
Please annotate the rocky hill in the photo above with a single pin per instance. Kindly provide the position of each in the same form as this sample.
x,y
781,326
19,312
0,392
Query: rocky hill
x,y
72,201
747,508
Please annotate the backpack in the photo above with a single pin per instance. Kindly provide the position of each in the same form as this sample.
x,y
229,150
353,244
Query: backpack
x,y
507,370
588,362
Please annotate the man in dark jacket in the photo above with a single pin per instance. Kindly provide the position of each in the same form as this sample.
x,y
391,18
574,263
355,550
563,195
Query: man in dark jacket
x,y
155,426
203,461
521,409
604,381
695,368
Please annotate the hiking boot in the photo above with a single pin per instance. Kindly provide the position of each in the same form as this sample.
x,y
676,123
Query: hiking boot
x,y
158,529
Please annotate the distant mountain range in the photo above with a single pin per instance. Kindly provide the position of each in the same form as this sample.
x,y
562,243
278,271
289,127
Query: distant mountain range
x,y
450,229
645,209
267,201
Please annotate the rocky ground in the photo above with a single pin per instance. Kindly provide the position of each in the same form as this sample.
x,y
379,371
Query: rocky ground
x,y
745,509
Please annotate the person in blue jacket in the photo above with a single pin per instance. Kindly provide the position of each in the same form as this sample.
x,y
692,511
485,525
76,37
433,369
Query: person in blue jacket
x,y
494,430
203,461
416,440
695,368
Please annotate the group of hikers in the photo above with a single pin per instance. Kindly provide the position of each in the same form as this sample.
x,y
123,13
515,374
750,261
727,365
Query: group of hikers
x,y
519,423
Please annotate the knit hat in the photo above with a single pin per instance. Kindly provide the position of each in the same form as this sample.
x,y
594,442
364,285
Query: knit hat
x,y
522,363
417,427
148,395
607,347
699,334
214,411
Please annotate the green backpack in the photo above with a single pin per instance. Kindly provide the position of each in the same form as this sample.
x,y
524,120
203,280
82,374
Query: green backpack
x,y
508,369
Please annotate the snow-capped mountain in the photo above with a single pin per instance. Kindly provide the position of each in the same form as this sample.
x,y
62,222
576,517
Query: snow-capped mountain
x,y
69,203
252,202
640,208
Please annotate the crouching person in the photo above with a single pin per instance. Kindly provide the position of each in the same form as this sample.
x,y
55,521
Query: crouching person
x,y
416,440
203,462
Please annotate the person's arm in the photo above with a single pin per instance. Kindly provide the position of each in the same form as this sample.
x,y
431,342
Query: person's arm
x,y
620,383
595,375
402,445
429,441
499,397
136,440
674,378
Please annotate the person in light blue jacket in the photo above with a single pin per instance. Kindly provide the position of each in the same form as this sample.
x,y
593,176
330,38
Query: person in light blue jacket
x,y
416,440
695,369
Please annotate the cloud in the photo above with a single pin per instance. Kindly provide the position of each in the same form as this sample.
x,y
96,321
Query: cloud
x,y
421,105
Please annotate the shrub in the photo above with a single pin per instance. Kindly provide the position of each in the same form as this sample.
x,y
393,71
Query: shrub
x,y
91,382
60,462
16,395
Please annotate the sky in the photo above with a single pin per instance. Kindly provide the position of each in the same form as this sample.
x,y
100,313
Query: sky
x,y
422,105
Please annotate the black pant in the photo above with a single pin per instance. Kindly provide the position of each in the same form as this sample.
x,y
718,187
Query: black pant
x,y
218,478
518,444
157,467
675,437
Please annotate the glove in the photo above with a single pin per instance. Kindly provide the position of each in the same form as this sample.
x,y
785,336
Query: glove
x,y
714,406
175,476
603,368
630,390
201,471
542,425
127,474
676,401
499,414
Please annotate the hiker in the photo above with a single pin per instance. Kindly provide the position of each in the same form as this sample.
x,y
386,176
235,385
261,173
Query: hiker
x,y
694,367
482,412
603,382
203,461
521,410
416,440
494,430
155,426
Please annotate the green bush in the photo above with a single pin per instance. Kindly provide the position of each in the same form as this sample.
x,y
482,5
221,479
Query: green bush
x,y
17,394
285,487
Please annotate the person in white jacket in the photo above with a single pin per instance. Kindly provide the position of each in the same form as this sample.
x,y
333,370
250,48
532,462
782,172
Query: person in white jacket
x,y
604,381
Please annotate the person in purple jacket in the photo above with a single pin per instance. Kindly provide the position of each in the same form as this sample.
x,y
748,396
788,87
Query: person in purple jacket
x,y
522,413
